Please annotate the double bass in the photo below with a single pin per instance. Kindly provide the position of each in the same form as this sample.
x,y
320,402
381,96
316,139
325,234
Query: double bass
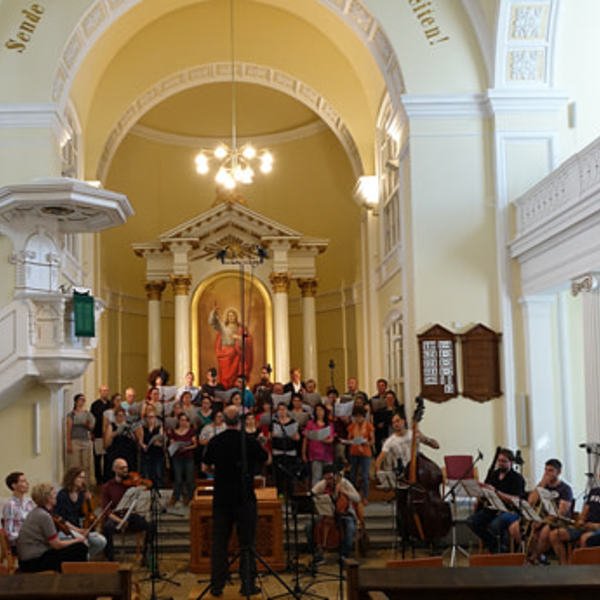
x,y
425,515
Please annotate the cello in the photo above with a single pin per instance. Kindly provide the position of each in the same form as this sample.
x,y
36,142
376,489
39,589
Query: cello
x,y
424,513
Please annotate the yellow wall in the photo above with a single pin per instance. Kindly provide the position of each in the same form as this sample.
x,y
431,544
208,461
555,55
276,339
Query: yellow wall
x,y
17,439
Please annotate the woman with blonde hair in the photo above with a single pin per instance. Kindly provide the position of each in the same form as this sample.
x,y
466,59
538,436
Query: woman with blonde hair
x,y
38,546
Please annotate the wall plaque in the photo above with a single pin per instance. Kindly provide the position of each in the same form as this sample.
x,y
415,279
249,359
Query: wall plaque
x,y
438,364
481,363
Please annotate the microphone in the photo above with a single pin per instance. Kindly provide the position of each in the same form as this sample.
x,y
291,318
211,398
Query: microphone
x,y
519,459
479,454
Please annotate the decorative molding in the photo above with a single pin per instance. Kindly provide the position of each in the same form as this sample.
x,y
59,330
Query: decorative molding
x,y
523,101
29,115
280,282
219,72
445,106
181,284
587,283
154,289
525,43
308,287
272,139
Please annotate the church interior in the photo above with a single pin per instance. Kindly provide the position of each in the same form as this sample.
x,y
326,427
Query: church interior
x,y
431,166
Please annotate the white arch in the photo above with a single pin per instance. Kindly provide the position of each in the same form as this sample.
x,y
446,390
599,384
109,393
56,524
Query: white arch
x,y
219,72
102,14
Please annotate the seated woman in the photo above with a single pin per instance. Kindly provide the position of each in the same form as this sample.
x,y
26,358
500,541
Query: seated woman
x,y
38,546
69,508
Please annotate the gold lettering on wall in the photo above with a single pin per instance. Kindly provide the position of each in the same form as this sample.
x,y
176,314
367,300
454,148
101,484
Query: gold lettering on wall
x,y
31,19
424,11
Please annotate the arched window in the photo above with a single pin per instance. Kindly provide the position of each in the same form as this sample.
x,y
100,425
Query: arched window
x,y
393,354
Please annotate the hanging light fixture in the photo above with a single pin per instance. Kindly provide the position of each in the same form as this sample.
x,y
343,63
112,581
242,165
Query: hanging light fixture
x,y
235,165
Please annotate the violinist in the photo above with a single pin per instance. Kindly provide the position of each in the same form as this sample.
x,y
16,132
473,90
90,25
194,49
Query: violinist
x,y
585,532
491,525
342,494
112,492
69,508
38,546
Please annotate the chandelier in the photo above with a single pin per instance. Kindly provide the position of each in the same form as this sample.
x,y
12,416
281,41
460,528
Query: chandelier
x,y
235,165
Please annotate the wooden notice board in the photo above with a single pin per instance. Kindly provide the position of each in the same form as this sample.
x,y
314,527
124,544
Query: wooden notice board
x,y
437,358
481,363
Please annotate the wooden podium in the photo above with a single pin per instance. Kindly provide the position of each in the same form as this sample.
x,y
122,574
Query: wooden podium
x,y
269,530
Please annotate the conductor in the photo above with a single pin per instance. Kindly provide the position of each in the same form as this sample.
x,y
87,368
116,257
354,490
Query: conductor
x,y
234,501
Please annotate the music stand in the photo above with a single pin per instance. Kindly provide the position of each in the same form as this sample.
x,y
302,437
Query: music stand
x,y
458,468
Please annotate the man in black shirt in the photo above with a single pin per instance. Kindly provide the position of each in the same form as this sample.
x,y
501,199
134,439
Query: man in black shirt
x,y
234,501
489,524
587,527
97,409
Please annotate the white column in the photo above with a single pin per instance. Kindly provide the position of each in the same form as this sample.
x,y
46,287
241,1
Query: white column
x,y
588,286
281,286
181,288
538,326
154,291
57,430
308,288
377,367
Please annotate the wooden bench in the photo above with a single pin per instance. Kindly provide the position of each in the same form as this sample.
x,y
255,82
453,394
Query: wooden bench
x,y
80,586
464,583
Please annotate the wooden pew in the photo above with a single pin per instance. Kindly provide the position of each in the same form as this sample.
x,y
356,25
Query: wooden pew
x,y
464,583
59,586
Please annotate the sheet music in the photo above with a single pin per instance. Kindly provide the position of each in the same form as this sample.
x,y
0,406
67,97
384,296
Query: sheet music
x,y
318,435
128,497
528,511
167,391
290,429
472,488
324,505
343,409
279,398
346,398
494,500
174,446
224,396
358,441
547,497
312,399
155,438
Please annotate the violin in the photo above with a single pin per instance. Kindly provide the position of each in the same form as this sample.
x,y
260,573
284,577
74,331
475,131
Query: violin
x,y
134,479
61,525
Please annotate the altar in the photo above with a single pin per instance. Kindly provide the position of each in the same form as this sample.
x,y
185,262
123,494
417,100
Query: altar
x,y
269,531
205,260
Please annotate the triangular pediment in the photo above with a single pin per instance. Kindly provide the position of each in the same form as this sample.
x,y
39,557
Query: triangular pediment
x,y
229,216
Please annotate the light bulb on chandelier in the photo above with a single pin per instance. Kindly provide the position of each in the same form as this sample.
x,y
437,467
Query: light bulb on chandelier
x,y
235,165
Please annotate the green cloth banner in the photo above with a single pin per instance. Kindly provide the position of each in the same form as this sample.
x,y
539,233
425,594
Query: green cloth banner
x,y
83,308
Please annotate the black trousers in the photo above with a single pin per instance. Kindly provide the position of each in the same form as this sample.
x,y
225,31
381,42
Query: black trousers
x,y
52,559
224,516
135,523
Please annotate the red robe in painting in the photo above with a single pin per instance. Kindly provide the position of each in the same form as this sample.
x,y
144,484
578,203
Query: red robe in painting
x,y
229,359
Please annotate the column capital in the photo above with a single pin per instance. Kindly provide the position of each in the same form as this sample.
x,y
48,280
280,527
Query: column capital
x,y
181,284
585,283
308,286
154,289
280,282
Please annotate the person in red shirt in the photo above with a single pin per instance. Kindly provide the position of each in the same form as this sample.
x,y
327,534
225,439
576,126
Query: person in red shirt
x,y
360,430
